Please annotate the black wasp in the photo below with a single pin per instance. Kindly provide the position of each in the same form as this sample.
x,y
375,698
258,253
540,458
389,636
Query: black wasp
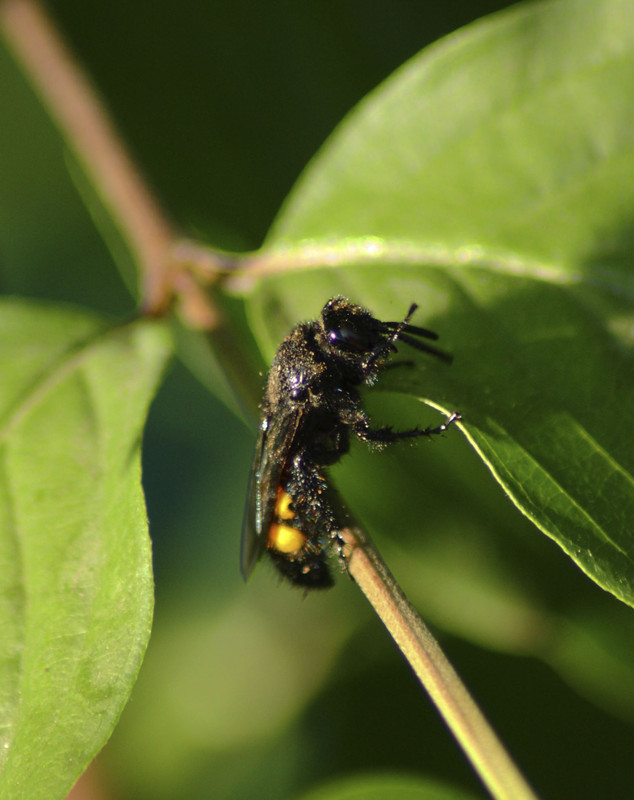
x,y
310,409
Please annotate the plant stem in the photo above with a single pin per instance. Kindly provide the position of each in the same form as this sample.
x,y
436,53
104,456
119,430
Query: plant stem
x,y
450,696
87,129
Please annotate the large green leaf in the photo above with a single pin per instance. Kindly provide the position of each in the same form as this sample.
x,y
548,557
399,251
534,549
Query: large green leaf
x,y
491,179
76,591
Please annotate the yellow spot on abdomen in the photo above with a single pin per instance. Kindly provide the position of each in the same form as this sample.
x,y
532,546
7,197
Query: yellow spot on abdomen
x,y
283,508
285,539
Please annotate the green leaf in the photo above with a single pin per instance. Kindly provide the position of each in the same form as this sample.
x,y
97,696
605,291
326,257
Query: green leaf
x,y
76,591
491,180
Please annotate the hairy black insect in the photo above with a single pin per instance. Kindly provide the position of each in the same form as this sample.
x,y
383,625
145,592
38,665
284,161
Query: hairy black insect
x,y
311,408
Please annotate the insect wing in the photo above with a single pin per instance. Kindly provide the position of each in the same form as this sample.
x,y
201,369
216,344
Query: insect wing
x,y
271,455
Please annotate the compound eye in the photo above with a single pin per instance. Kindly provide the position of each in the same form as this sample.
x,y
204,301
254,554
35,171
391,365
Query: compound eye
x,y
350,339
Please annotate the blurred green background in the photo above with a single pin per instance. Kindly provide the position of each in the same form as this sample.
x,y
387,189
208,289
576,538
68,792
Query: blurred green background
x,y
250,690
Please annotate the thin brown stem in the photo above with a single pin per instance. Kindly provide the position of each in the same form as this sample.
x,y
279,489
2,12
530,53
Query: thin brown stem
x,y
468,724
86,127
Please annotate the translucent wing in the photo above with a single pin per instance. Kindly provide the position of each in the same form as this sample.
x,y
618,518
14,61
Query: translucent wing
x,y
272,450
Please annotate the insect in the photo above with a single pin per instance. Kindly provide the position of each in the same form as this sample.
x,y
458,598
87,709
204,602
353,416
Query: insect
x,y
311,408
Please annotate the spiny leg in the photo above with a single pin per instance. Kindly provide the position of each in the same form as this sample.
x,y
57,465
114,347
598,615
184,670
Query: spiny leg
x,y
387,436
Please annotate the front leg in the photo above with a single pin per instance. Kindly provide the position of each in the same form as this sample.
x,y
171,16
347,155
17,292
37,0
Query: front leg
x,y
386,435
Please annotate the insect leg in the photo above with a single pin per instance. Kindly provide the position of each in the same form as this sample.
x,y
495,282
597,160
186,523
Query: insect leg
x,y
393,331
386,435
